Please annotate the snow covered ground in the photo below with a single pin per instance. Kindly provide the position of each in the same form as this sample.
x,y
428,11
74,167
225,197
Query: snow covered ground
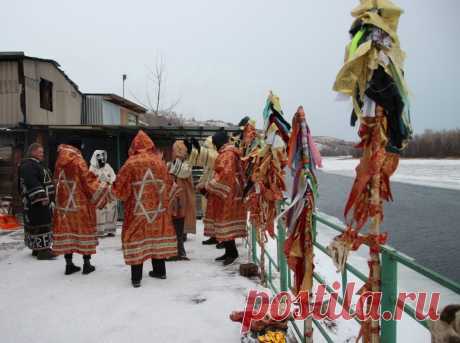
x,y
346,331
39,303
426,172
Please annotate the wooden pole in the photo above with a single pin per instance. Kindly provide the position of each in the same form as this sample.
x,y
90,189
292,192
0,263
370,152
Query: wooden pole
x,y
374,229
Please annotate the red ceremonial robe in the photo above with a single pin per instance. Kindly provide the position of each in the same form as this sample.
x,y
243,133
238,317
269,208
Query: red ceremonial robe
x,y
144,185
225,213
78,192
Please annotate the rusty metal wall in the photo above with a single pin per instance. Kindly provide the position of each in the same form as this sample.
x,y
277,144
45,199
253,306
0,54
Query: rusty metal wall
x,y
10,109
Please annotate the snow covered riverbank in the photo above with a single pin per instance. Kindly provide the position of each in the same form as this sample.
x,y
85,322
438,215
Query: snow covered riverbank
x,y
425,172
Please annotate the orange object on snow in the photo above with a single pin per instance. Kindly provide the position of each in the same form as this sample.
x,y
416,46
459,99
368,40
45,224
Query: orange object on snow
x,y
9,222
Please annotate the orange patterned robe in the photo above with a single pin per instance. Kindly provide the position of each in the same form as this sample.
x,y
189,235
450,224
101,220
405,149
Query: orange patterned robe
x,y
225,214
144,185
185,182
78,192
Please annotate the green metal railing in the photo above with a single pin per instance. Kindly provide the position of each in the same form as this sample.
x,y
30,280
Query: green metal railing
x,y
390,258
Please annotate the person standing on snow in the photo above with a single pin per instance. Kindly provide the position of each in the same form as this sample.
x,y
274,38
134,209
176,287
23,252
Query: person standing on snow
x,y
144,186
106,217
78,193
37,190
225,212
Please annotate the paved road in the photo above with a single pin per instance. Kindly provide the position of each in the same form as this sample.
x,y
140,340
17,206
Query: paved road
x,y
423,222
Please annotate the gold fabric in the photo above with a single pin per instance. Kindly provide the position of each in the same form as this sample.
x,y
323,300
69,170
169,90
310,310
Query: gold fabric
x,y
388,10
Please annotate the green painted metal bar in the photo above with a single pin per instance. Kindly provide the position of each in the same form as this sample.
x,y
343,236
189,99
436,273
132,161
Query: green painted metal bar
x,y
272,260
323,332
390,260
282,263
389,289
411,312
349,267
330,291
443,281
269,269
254,244
296,329
344,281
328,223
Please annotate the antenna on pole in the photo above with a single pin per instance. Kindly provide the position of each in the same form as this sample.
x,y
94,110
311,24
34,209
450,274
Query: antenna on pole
x,y
124,79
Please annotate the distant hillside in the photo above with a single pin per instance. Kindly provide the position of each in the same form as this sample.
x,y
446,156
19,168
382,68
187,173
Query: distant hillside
x,y
174,119
330,146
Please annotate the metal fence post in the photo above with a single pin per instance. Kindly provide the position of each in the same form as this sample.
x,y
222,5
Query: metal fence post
x,y
282,263
254,244
389,288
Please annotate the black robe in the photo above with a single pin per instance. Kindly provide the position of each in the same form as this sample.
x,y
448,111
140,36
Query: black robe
x,y
36,186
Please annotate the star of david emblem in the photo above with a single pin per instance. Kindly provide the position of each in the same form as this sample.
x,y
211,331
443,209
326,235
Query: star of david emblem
x,y
139,209
70,186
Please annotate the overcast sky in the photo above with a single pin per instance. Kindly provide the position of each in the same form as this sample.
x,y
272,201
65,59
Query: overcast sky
x,y
222,57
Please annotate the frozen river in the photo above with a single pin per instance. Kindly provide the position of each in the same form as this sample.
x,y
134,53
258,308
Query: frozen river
x,y
422,221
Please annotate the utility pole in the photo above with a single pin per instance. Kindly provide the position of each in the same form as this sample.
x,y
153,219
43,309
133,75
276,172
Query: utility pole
x,y
124,79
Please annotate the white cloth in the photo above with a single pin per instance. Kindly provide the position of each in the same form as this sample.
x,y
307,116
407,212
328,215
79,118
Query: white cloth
x,y
106,217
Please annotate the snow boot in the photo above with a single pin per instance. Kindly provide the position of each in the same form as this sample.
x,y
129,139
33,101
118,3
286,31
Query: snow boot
x,y
70,268
87,267
136,275
210,241
45,255
227,246
158,269
231,251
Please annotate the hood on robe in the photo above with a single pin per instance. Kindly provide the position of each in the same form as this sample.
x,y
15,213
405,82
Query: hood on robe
x,y
66,154
141,143
230,147
96,153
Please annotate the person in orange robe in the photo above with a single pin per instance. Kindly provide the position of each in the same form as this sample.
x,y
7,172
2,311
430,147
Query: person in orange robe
x,y
78,193
227,215
144,186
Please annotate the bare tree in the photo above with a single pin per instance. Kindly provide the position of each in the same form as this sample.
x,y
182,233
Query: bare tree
x,y
157,75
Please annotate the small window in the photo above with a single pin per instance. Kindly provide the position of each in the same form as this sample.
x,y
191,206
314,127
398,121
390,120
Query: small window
x,y
46,95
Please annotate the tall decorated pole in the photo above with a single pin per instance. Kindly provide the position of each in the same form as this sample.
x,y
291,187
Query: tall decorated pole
x,y
372,76
303,159
267,176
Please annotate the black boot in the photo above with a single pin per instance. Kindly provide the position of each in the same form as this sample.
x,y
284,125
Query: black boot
x,y
179,227
231,251
70,268
136,275
158,269
220,245
224,256
185,237
45,255
210,241
87,267
34,253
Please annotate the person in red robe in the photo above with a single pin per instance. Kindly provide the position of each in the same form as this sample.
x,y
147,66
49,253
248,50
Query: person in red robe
x,y
144,186
78,193
226,215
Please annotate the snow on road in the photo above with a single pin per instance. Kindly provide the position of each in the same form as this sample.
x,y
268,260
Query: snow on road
x,y
425,172
39,303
